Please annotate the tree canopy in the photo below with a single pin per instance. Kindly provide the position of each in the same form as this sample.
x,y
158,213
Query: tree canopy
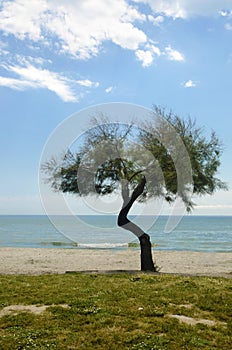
x,y
173,154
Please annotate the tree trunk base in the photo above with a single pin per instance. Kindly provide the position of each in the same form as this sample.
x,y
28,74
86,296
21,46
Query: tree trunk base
x,y
146,254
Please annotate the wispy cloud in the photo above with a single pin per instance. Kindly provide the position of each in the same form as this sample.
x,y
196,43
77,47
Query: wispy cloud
x,y
185,9
31,76
27,72
156,21
228,26
87,83
173,55
170,8
16,84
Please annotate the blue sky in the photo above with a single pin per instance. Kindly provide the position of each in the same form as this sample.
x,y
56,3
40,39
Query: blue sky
x,y
59,57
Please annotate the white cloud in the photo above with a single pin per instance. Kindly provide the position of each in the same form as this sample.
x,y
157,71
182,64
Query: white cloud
x,y
3,48
173,55
25,60
170,8
22,18
16,84
154,49
228,26
3,52
33,77
80,27
145,57
27,72
127,36
156,20
109,89
184,9
225,13
189,84
87,83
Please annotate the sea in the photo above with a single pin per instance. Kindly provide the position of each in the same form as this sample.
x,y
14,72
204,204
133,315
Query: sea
x,y
189,233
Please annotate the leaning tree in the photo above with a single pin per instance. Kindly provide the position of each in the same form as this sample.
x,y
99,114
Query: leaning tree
x,y
165,156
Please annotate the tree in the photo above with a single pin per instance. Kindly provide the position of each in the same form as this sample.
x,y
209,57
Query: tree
x,y
165,157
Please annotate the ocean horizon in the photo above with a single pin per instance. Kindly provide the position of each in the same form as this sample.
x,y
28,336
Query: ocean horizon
x,y
192,233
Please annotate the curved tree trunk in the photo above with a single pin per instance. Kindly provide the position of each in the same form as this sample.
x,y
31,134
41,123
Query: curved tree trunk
x,y
145,244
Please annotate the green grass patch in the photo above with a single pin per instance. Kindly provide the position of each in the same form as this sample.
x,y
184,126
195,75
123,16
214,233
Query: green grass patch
x,y
137,245
121,311
60,244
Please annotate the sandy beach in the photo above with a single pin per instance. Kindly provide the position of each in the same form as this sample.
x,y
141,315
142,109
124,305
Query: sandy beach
x,y
35,261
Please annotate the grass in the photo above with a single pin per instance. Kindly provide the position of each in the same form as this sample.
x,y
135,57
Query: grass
x,y
119,311
137,245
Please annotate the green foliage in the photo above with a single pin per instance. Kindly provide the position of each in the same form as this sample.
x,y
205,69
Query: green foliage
x,y
204,154
166,149
121,311
171,139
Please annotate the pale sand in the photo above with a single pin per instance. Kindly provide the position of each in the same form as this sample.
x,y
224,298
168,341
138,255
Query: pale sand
x,y
35,261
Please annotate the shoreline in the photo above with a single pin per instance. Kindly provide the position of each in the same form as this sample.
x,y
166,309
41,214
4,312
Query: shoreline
x,y
37,261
